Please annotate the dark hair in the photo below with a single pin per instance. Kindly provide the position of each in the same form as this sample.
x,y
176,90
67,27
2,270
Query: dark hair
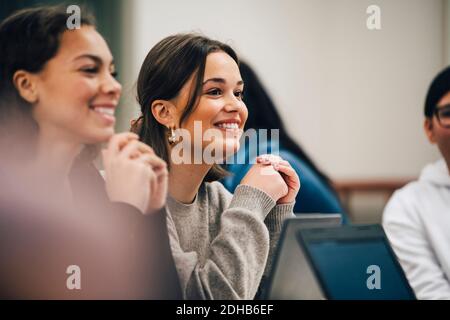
x,y
262,114
29,38
166,69
438,88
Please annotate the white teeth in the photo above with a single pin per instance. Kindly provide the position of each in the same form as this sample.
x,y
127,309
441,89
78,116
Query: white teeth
x,y
228,125
107,111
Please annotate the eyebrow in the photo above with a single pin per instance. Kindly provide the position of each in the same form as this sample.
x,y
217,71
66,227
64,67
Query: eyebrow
x,y
96,59
221,80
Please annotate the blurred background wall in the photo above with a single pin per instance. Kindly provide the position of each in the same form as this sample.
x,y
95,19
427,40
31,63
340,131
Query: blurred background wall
x,y
352,97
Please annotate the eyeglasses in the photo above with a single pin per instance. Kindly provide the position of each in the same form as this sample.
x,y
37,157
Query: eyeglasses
x,y
443,115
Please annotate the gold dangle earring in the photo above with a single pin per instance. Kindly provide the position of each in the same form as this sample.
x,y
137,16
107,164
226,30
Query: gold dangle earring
x,y
172,136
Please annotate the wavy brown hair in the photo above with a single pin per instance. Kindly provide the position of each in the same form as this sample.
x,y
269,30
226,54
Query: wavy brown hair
x,y
166,69
29,38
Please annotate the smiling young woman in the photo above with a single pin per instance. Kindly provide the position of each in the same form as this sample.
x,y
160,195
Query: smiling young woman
x,y
57,97
221,243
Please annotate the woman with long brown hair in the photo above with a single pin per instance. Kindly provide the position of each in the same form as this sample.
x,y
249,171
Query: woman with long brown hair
x,y
190,91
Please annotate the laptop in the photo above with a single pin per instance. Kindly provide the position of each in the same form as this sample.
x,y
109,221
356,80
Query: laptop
x,y
352,263
287,274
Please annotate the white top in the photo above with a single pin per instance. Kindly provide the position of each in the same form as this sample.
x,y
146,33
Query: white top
x,y
417,223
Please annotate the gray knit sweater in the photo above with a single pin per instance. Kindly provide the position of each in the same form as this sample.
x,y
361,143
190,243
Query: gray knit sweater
x,y
223,244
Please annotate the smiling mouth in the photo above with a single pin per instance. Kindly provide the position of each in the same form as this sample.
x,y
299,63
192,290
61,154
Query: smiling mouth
x,y
104,110
227,126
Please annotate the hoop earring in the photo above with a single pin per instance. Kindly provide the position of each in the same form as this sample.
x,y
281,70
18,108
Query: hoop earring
x,y
172,136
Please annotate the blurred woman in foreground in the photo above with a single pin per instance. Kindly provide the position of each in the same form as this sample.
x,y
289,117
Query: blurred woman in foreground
x,y
57,100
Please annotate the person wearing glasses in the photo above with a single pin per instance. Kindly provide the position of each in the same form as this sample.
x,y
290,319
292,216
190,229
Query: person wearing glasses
x,y
417,217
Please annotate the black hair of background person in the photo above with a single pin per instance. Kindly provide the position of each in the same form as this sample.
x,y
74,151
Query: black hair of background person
x,y
438,88
263,114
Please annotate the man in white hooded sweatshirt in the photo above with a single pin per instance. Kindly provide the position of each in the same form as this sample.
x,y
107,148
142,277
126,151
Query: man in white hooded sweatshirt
x,y
417,217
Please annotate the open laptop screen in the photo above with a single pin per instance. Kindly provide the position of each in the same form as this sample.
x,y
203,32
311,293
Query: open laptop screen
x,y
351,266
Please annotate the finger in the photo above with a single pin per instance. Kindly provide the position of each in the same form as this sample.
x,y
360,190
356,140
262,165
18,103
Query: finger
x,y
282,163
141,149
153,183
162,182
278,162
287,170
263,158
117,141
269,158
154,161
161,172
130,151
159,194
144,148
135,148
274,161
291,177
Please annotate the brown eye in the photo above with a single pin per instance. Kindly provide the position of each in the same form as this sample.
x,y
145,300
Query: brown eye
x,y
93,70
215,92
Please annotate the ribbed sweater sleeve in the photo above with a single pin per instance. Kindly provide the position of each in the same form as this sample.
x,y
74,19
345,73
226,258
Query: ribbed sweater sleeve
x,y
237,255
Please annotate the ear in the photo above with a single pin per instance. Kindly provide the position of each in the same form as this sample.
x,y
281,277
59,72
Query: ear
x,y
164,112
428,127
25,84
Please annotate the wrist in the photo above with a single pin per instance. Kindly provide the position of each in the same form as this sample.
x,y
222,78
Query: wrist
x,y
289,200
132,202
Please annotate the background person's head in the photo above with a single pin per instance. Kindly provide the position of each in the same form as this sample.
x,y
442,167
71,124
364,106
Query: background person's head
x,y
189,78
437,113
54,81
263,114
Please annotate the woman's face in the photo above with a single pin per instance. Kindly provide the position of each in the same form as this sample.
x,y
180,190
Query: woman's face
x,y
220,110
76,91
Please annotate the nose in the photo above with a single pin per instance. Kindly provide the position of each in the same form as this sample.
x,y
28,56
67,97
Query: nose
x,y
233,104
111,86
